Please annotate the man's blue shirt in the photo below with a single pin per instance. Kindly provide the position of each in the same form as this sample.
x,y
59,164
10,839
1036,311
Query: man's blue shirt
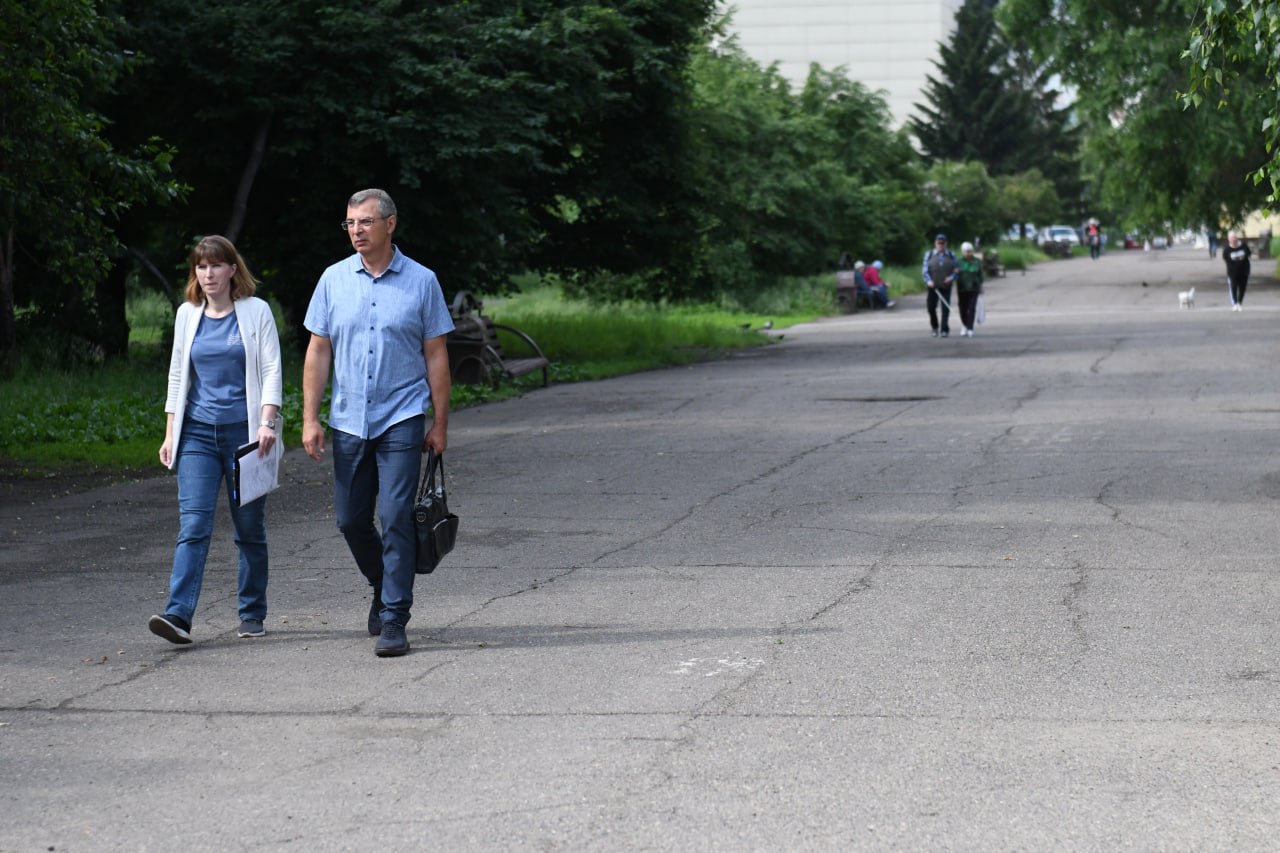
x,y
376,327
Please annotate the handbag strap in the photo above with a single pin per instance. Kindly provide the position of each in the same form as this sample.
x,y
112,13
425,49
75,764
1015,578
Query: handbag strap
x,y
429,476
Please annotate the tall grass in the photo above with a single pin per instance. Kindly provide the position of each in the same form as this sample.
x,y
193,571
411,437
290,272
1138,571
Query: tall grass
x,y
593,341
1020,255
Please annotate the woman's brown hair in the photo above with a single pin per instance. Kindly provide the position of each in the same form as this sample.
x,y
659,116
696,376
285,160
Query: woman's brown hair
x,y
218,249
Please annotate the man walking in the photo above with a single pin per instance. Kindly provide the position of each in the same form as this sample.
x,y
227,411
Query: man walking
x,y
379,320
939,271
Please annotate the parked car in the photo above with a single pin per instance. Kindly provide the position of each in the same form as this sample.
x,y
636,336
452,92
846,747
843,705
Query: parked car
x,y
1134,240
1015,232
1060,234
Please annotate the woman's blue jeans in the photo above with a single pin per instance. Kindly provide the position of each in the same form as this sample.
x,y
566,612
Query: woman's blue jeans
x,y
206,454
381,473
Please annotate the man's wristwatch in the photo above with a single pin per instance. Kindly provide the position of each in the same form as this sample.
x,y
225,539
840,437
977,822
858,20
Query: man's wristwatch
x,y
269,423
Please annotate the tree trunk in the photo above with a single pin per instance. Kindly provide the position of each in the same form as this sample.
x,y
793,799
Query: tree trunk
x,y
8,329
240,206
113,322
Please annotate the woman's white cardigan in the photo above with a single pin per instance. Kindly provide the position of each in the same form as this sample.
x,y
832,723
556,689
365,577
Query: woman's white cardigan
x,y
262,384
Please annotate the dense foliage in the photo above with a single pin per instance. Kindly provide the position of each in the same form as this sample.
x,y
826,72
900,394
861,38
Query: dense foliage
x,y
627,147
1145,155
510,134
993,104
1234,46
63,186
779,183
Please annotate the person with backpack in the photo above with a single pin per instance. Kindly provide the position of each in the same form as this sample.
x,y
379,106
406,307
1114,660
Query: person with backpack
x,y
1093,235
939,272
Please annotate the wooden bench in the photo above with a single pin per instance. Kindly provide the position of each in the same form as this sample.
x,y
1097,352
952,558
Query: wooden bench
x,y
848,299
476,353
991,266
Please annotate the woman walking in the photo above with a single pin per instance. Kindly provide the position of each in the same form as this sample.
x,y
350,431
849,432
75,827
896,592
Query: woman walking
x,y
968,287
1236,254
224,391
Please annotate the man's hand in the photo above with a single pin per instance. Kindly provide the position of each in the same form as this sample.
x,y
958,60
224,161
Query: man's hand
x,y
315,375
437,439
313,439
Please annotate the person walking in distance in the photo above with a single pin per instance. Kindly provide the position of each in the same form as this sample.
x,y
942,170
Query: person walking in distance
x,y
1236,254
379,320
939,273
968,287
224,390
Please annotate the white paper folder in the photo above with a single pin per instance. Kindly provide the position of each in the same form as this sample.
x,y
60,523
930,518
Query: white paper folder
x,y
256,475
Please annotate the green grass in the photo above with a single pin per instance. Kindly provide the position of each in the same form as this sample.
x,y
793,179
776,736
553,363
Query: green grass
x,y
1021,255
587,341
105,416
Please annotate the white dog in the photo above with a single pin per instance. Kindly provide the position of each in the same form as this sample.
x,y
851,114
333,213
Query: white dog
x,y
1187,298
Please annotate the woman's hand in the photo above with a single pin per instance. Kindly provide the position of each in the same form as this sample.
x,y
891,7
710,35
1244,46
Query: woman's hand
x,y
266,439
166,452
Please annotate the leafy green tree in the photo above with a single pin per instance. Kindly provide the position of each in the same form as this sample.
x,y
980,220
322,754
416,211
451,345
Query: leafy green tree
x,y
1145,157
1027,197
1234,42
1053,142
782,181
882,210
63,186
963,202
535,133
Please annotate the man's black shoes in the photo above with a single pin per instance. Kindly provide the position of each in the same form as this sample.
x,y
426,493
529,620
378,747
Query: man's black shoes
x,y
392,642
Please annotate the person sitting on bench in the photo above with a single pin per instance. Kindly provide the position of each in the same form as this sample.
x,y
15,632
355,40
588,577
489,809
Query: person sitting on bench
x,y
873,286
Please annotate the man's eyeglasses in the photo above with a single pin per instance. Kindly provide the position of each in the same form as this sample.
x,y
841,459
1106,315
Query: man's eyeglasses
x,y
367,222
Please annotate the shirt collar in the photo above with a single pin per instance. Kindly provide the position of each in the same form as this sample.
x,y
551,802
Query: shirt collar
x,y
397,261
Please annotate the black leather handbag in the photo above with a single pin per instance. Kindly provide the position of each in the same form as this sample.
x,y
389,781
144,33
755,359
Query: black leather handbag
x,y
437,528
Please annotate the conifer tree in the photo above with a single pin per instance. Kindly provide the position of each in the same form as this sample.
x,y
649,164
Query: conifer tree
x,y
991,104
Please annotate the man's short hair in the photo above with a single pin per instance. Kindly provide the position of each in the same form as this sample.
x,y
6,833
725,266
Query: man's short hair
x,y
386,207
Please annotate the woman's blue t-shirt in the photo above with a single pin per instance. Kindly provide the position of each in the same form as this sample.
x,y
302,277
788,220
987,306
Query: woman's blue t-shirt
x,y
217,393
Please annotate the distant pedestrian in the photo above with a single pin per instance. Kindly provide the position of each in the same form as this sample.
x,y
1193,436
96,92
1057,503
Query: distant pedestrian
x,y
224,391
1093,236
939,273
379,320
968,287
1236,254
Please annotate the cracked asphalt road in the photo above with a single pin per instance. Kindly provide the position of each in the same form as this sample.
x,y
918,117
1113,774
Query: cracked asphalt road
x,y
862,589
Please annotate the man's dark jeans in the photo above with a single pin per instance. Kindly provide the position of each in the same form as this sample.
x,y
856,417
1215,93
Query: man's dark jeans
x,y
381,472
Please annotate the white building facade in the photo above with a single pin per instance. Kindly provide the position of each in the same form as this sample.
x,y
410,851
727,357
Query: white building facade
x,y
888,47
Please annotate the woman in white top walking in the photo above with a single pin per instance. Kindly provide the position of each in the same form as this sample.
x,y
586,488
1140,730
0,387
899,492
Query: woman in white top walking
x,y
224,391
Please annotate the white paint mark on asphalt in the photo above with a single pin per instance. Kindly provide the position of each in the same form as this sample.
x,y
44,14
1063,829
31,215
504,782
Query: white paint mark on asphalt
x,y
708,667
